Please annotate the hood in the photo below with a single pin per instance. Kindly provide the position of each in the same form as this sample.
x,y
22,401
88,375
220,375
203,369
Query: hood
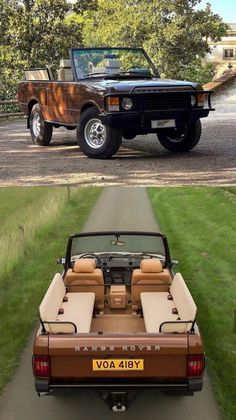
x,y
126,86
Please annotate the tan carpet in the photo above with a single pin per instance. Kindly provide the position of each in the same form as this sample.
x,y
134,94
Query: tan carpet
x,y
118,324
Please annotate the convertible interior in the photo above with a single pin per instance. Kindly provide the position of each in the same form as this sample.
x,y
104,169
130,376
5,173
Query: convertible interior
x,y
117,296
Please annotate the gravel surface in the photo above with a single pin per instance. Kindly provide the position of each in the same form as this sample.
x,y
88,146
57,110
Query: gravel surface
x,y
115,209
141,161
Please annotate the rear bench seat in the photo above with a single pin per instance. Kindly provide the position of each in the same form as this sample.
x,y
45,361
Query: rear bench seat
x,y
77,310
158,309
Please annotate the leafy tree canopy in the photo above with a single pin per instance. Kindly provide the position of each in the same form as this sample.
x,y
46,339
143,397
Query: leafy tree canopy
x,y
173,32
36,33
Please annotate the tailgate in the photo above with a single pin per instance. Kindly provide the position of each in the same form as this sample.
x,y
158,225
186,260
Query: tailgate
x,y
79,358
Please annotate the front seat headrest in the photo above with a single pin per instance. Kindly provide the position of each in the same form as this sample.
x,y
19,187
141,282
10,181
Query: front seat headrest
x,y
86,265
152,265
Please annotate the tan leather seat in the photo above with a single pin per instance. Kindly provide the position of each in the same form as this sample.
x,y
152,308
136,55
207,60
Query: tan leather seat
x,y
88,278
150,277
77,309
157,309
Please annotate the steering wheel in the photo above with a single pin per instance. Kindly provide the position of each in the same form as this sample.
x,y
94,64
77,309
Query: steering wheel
x,y
131,68
94,256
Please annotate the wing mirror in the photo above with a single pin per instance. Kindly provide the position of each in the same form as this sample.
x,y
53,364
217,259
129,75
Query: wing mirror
x,y
174,262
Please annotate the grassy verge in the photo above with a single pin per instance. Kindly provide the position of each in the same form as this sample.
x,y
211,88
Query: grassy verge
x,y
22,213
35,224
201,227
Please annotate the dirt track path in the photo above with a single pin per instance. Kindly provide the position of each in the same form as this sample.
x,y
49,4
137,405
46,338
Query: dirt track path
x,y
20,401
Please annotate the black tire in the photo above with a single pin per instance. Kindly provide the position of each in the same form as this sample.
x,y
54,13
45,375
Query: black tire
x,y
97,145
180,140
41,131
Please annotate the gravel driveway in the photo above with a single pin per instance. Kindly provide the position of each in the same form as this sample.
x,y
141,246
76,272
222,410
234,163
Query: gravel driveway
x,y
141,161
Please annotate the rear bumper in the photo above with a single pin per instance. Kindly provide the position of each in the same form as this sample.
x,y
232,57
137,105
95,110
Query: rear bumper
x,y
140,122
191,385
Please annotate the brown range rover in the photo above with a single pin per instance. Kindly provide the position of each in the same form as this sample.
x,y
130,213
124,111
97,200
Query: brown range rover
x,y
110,93
118,319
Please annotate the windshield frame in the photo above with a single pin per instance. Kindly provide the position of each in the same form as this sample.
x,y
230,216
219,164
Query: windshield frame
x,y
72,50
117,234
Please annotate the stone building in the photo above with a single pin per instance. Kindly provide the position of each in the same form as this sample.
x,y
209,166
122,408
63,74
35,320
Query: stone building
x,y
223,52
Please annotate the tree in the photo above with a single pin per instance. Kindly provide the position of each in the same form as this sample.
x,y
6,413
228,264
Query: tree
x,y
35,33
173,32
82,6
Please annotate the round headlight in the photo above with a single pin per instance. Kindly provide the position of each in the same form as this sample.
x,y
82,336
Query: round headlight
x,y
127,103
193,100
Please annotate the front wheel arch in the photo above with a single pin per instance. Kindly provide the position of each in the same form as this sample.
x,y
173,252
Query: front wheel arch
x,y
89,105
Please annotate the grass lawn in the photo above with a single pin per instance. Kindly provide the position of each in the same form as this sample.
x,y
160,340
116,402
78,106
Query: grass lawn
x,y
34,226
200,224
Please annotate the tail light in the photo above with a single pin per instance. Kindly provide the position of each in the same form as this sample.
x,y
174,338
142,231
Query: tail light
x,y
195,365
41,366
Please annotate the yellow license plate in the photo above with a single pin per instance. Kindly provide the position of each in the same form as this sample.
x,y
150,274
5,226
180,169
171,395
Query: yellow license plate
x,y
118,364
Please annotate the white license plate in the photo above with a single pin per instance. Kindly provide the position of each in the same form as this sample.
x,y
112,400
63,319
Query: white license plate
x,y
118,364
162,123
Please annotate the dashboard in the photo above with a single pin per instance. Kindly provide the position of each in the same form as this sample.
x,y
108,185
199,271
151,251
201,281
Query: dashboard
x,y
117,269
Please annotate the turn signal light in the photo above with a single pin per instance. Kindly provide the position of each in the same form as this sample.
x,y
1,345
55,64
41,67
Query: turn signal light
x,y
201,99
113,103
195,365
41,366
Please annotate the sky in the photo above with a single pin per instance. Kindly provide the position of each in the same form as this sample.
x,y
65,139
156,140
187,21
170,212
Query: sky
x,y
225,8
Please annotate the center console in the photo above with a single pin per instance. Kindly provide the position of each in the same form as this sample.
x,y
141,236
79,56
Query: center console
x,y
118,296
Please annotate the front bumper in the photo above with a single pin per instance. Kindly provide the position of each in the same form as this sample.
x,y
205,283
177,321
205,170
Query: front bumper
x,y
191,385
140,122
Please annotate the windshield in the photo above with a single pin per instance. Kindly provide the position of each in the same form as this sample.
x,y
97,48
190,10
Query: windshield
x,y
94,62
122,243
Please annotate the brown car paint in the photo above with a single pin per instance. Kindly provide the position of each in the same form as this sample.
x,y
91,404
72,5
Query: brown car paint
x,y
60,102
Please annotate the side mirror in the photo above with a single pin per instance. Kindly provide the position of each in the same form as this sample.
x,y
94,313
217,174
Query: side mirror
x,y
174,262
61,261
